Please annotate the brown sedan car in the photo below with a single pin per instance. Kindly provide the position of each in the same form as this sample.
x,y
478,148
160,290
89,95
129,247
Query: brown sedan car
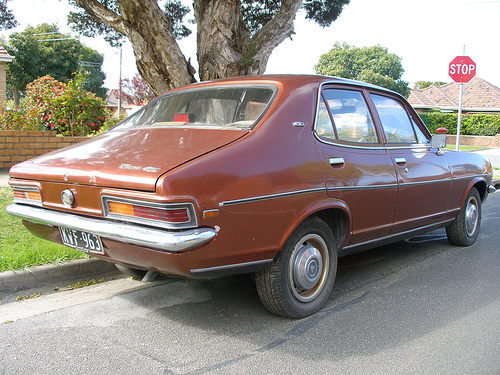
x,y
277,175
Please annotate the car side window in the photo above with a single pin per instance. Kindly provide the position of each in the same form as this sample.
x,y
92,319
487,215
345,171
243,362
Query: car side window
x,y
352,121
324,125
422,138
398,126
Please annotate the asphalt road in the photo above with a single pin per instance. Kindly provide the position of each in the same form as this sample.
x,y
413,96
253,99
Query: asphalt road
x,y
416,307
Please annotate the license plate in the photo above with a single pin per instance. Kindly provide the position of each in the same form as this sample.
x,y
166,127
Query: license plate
x,y
84,241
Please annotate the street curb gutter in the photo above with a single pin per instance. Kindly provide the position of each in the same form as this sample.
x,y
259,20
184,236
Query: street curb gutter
x,y
45,278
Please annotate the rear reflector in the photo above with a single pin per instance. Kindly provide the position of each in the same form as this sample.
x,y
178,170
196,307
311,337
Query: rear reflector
x,y
169,215
156,214
27,194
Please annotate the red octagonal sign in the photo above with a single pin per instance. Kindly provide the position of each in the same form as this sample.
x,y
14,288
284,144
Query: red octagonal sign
x,y
462,69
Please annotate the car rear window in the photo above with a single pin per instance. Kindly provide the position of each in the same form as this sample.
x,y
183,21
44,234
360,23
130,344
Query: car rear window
x,y
226,107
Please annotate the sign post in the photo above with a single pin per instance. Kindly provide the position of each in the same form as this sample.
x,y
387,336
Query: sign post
x,y
462,69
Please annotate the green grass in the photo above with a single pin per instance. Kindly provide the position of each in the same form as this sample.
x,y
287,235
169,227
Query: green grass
x,y
20,249
452,147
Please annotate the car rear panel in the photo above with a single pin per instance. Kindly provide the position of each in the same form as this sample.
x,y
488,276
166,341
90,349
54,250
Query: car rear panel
x,y
132,159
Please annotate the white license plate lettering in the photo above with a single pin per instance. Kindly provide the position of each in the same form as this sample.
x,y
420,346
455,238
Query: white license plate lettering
x,y
84,241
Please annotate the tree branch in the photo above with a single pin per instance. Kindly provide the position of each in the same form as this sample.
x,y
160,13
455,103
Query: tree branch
x,y
274,33
103,15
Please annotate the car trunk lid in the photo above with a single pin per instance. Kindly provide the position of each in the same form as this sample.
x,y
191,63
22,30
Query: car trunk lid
x,y
129,159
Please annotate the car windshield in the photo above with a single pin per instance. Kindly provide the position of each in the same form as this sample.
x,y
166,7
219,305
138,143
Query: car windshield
x,y
227,107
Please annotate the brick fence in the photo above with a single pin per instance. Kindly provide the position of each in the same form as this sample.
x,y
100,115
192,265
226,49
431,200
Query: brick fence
x,y
17,146
474,140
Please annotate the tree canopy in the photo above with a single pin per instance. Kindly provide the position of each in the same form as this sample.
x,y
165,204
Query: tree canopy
x,y
420,85
234,38
7,19
373,65
43,50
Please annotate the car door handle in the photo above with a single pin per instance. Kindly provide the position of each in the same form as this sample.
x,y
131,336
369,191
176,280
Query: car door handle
x,y
337,162
400,161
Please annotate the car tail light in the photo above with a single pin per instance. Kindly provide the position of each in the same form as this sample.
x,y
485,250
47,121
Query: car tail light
x,y
155,214
27,195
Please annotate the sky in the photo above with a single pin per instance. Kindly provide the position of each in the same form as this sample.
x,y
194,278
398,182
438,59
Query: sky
x,y
426,34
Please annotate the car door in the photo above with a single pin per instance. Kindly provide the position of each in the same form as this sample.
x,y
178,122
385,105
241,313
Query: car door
x,y
423,173
357,169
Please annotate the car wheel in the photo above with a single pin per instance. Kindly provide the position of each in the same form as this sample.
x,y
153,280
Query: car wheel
x,y
465,228
300,278
132,272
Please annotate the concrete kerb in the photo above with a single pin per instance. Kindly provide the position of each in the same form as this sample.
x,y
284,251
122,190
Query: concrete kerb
x,y
46,278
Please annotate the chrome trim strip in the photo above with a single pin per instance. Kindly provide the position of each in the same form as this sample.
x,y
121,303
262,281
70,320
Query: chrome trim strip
x,y
390,238
271,196
379,146
425,182
340,188
410,147
329,188
225,267
152,238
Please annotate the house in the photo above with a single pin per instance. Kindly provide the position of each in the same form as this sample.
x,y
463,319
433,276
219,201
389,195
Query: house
x,y
4,59
479,96
112,102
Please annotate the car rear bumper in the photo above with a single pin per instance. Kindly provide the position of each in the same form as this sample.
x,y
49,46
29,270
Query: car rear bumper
x,y
157,239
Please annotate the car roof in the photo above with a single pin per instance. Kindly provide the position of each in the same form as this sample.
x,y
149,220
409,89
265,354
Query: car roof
x,y
292,80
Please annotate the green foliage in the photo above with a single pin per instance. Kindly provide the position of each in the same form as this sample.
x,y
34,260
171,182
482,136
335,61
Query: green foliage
x,y
324,12
90,63
112,121
257,13
52,105
472,124
19,248
420,85
38,54
373,65
7,20
247,60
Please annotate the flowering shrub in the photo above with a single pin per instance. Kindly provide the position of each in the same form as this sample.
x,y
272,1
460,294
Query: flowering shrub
x,y
14,120
52,105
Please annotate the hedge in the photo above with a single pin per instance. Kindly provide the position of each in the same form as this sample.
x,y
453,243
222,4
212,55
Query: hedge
x,y
472,124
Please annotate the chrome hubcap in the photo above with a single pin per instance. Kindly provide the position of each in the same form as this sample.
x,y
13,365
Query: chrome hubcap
x,y
471,217
309,267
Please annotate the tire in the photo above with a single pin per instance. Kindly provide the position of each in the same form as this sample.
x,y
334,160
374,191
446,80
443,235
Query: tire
x,y
465,228
132,272
300,279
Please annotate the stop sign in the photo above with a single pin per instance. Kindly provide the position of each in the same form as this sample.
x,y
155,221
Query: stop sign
x,y
462,69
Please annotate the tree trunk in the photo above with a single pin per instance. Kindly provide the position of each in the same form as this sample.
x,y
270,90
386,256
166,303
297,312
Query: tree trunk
x,y
225,47
16,95
158,56
222,39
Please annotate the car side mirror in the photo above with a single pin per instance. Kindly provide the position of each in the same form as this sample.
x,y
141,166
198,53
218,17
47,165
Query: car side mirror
x,y
438,141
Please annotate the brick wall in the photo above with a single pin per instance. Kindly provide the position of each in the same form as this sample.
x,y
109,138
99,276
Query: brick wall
x,y
474,140
3,83
17,146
